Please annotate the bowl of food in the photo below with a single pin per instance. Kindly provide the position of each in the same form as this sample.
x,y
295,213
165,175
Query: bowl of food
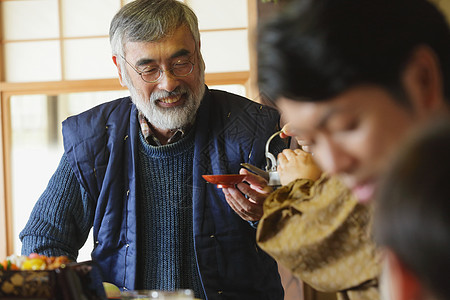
x,y
224,181
49,278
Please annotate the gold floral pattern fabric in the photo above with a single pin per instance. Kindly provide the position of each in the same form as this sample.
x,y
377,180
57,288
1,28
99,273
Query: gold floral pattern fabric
x,y
322,235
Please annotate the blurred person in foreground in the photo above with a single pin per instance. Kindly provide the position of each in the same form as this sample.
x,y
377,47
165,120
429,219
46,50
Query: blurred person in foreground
x,y
352,78
131,169
412,221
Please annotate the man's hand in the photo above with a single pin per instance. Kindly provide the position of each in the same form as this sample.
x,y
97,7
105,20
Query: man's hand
x,y
247,199
297,164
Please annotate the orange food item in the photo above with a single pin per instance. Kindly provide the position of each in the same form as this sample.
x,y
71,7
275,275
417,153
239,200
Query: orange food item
x,y
54,262
7,265
4,264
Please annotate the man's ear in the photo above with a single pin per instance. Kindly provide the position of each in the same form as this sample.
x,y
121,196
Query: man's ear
x,y
119,70
405,284
422,79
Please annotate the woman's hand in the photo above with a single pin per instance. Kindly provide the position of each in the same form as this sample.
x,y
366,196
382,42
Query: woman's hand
x,y
297,164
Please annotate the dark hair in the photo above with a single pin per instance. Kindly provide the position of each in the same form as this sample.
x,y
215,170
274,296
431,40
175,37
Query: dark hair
x,y
316,49
412,214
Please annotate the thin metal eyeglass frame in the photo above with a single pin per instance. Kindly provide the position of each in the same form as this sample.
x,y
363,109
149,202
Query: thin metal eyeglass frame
x,y
161,71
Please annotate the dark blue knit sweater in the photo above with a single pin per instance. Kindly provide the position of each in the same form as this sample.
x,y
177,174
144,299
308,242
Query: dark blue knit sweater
x,y
166,259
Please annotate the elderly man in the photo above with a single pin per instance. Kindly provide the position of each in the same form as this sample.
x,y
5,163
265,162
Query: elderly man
x,y
352,78
132,169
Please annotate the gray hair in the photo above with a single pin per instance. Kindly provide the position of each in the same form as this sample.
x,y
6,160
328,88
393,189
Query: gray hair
x,y
150,21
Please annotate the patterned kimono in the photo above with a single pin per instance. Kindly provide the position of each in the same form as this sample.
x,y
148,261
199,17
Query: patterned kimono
x,y
321,233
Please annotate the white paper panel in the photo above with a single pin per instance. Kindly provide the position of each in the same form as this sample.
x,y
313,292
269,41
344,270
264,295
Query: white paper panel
x,y
214,14
33,61
225,51
30,19
237,89
78,102
88,59
88,17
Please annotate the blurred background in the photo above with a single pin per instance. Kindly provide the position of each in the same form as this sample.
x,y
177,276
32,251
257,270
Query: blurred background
x,y
55,61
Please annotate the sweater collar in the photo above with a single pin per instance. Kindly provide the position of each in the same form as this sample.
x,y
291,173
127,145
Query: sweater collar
x,y
151,138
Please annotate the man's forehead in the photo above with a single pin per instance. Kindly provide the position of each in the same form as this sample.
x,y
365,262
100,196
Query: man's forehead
x,y
155,52
180,38
306,112
351,99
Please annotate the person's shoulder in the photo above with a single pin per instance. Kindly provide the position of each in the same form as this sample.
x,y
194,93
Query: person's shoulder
x,y
110,106
95,122
227,97
115,110
221,94
220,97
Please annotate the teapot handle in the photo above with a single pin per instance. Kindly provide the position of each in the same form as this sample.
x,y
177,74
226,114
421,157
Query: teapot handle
x,y
270,158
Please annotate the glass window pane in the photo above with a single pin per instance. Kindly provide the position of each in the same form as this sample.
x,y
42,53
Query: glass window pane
x,y
225,51
36,133
33,61
33,19
214,14
87,17
88,59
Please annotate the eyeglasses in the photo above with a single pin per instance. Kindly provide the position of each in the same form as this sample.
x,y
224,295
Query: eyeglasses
x,y
151,74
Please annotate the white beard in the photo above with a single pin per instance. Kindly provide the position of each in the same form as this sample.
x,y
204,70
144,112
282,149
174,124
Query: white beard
x,y
169,118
